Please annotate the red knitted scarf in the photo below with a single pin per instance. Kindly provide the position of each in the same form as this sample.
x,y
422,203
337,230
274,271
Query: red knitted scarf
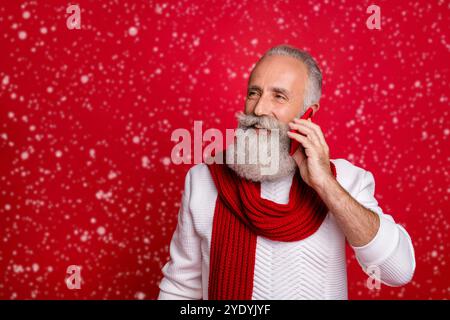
x,y
241,215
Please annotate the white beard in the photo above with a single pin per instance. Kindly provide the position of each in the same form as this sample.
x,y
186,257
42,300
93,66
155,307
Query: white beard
x,y
271,159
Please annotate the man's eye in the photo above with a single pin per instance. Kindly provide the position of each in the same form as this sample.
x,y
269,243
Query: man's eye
x,y
280,97
251,93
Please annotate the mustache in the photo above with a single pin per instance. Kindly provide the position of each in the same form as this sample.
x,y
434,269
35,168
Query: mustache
x,y
246,121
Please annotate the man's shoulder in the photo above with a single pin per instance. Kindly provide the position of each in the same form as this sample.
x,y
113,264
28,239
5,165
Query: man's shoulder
x,y
348,174
199,171
200,191
199,177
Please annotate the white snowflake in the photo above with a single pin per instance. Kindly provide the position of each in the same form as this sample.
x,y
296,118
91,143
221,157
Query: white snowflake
x,y
166,161
101,230
35,267
5,80
136,139
132,31
112,175
84,78
22,35
140,295
145,161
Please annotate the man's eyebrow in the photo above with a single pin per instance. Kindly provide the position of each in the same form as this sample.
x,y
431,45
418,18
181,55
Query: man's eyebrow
x,y
281,90
274,89
254,87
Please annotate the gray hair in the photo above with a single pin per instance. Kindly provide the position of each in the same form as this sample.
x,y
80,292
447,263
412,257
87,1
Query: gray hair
x,y
313,89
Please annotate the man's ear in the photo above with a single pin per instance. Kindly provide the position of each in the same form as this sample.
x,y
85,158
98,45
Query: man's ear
x,y
315,107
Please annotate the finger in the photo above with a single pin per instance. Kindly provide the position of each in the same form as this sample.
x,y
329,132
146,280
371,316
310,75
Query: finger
x,y
316,128
304,141
311,149
307,131
299,155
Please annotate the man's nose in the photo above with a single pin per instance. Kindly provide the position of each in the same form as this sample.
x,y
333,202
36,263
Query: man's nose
x,y
262,107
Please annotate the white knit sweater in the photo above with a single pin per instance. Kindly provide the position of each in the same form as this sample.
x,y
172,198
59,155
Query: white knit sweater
x,y
313,268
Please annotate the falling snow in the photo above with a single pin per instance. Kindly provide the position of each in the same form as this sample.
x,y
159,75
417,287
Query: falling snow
x,y
84,78
22,35
86,117
132,31
101,230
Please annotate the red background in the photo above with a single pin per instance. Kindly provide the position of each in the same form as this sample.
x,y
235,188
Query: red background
x,y
86,118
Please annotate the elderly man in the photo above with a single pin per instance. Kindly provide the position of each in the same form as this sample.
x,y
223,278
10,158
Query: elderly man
x,y
242,234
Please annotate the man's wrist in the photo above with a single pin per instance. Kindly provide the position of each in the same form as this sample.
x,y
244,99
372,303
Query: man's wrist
x,y
328,186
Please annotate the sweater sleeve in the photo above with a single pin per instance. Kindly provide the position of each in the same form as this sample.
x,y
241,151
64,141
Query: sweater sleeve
x,y
390,253
182,273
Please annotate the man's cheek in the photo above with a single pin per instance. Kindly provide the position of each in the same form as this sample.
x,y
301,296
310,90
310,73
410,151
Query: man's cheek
x,y
250,106
287,113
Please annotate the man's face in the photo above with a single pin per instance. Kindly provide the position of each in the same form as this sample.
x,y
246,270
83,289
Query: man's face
x,y
275,96
276,88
